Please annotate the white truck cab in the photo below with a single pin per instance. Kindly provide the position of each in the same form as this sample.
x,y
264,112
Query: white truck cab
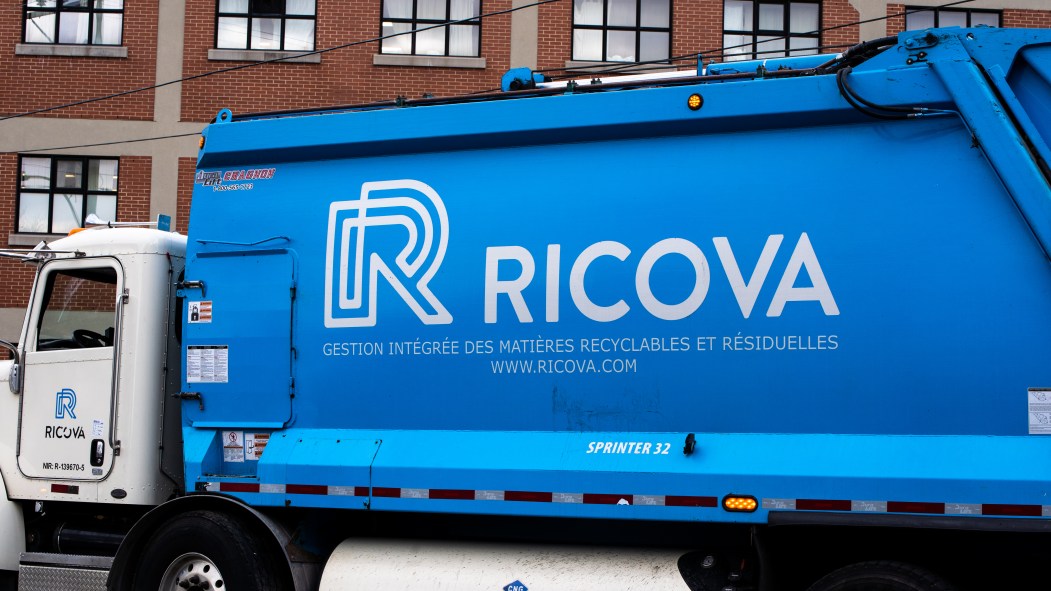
x,y
82,413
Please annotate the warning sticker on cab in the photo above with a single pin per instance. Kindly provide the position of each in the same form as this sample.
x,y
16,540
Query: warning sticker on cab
x,y
207,364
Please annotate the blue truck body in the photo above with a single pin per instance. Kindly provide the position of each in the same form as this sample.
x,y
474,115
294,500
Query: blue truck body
x,y
526,306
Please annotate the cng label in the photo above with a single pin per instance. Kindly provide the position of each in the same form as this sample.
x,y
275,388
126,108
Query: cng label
x,y
516,586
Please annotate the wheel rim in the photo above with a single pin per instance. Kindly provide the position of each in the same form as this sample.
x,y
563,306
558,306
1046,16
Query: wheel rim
x,y
192,572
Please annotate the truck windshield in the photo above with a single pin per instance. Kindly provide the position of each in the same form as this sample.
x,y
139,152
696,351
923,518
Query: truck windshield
x,y
79,309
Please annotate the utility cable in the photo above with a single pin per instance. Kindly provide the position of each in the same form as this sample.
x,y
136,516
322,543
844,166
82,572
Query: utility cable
x,y
478,18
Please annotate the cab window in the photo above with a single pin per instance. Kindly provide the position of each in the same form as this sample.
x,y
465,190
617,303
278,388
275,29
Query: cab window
x,y
79,309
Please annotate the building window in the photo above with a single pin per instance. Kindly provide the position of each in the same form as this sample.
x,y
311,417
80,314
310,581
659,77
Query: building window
x,y
73,22
758,30
402,16
275,25
948,17
58,193
621,30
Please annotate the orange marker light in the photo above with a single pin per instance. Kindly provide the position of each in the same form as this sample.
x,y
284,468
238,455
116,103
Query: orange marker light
x,y
740,503
200,144
694,102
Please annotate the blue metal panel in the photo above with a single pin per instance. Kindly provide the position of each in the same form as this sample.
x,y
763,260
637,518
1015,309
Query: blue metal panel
x,y
838,307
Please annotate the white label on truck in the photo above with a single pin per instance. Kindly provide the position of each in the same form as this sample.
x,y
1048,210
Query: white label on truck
x,y
255,443
233,446
207,364
200,312
1039,411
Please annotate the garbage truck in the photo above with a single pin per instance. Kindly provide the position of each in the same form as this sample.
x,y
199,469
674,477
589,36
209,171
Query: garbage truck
x,y
778,324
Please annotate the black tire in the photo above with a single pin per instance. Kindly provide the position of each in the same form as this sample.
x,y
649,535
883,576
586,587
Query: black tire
x,y
881,576
220,548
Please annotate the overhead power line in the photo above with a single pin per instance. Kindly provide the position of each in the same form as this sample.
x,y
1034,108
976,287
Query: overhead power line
x,y
656,64
270,61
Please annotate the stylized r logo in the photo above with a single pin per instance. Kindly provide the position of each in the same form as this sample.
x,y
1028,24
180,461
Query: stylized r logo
x,y
398,229
65,402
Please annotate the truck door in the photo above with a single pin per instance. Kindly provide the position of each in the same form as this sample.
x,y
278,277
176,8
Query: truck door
x,y
66,428
238,343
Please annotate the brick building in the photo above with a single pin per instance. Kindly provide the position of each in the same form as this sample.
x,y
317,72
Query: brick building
x,y
64,51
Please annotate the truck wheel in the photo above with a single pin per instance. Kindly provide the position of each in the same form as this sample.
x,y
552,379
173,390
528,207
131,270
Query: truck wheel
x,y
206,551
881,576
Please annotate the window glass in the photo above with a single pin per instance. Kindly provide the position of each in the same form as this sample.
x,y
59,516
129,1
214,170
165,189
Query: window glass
x,y
771,17
802,46
32,212
621,30
266,33
233,6
430,9
431,42
299,35
397,9
79,309
952,19
299,7
587,12
266,24
587,45
737,15
621,13
69,173
656,13
463,40
653,46
988,19
66,211
74,22
107,29
426,17
233,33
102,175
56,194
73,27
620,46
36,173
803,18
103,206
40,27
402,44
461,9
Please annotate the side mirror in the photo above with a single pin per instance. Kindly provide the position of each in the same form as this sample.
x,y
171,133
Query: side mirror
x,y
15,378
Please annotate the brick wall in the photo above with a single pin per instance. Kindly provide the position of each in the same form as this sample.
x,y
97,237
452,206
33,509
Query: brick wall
x,y
133,189
17,276
1027,19
33,82
835,14
187,167
346,76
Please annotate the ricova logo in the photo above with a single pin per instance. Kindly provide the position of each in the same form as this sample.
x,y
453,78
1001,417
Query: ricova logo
x,y
357,255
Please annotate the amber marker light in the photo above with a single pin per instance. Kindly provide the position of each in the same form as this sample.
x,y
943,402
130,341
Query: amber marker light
x,y
200,143
740,503
694,102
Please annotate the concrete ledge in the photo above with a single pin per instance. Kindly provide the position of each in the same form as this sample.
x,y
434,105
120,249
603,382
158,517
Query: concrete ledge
x,y
621,67
262,55
110,51
14,239
427,61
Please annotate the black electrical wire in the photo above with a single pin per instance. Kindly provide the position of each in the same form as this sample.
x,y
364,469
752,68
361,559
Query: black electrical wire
x,y
270,61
